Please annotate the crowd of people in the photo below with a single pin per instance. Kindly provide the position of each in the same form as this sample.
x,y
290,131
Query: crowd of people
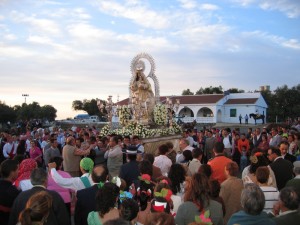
x,y
217,176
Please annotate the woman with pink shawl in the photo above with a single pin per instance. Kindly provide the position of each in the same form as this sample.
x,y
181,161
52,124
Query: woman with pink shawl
x,y
35,153
26,167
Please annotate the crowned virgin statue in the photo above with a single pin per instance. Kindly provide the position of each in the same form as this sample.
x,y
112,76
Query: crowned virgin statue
x,y
142,97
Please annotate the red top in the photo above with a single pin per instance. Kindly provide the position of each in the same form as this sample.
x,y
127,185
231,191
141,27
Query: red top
x,y
218,167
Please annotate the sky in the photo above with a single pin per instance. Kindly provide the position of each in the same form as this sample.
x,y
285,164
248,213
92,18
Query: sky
x,y
61,51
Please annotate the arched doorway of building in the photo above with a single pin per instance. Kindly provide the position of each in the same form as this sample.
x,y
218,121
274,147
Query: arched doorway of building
x,y
205,112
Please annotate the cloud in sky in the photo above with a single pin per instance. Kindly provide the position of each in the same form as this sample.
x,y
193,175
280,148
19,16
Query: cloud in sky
x,y
58,52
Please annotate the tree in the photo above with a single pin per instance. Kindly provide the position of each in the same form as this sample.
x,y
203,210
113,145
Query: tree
x,y
200,91
90,106
210,90
77,105
35,111
235,90
48,112
6,113
187,92
283,103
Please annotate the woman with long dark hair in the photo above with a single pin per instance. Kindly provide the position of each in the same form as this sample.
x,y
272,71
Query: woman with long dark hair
x,y
197,200
106,202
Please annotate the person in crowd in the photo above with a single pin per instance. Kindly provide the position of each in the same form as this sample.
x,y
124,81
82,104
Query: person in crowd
x,y
271,193
246,119
174,201
74,183
257,137
231,190
100,152
129,210
196,199
177,176
58,212
65,193
51,152
195,164
219,162
210,141
10,147
36,153
72,156
23,180
287,208
144,195
145,167
184,146
253,201
227,142
257,160
160,204
187,158
283,147
217,135
200,140
162,161
160,218
283,169
236,155
206,170
140,147
156,172
114,157
106,200
78,142
48,145
295,182
264,144
292,144
37,209
171,152
9,170
130,170
84,205
243,148
187,134
92,141
21,149
275,139
214,193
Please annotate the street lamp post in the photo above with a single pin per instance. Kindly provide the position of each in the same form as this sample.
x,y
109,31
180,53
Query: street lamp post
x,y
25,95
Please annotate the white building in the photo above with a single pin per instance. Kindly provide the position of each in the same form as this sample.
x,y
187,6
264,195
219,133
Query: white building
x,y
217,108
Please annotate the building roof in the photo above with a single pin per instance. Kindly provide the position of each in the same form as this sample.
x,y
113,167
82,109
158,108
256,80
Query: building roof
x,y
186,99
241,101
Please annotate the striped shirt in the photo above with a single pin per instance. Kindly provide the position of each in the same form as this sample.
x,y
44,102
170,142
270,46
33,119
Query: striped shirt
x,y
271,197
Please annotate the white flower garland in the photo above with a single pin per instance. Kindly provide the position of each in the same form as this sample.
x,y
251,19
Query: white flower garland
x,y
142,131
124,115
160,113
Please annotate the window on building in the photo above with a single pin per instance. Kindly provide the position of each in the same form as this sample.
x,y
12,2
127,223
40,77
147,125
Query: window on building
x,y
232,112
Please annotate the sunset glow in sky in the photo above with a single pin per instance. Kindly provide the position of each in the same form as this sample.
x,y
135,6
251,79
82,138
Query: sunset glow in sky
x,y
60,51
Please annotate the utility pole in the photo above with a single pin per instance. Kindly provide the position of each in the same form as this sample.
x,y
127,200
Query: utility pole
x,y
25,95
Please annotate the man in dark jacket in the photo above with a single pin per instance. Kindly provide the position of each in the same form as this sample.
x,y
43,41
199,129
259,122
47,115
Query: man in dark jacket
x,y
86,198
283,169
8,192
58,214
130,170
288,206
